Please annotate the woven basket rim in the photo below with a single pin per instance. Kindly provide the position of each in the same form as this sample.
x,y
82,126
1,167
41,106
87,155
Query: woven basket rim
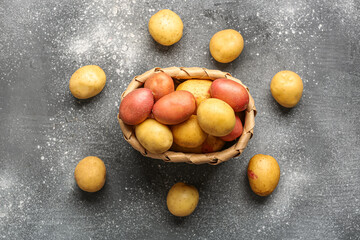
x,y
185,73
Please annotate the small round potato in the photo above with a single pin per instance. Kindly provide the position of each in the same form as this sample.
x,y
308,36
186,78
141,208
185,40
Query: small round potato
x,y
88,81
90,174
226,45
166,27
160,84
188,134
182,199
154,136
286,87
264,174
216,117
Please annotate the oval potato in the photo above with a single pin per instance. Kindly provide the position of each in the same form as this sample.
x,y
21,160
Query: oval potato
x,y
160,84
231,92
154,136
90,174
182,199
188,134
264,174
88,81
136,106
286,87
166,27
216,117
174,108
226,45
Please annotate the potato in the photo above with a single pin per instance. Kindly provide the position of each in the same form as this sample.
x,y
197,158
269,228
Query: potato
x,y
188,134
182,199
286,87
154,136
216,117
136,106
231,92
212,144
199,88
236,132
177,148
90,174
166,27
263,173
86,82
160,84
174,108
226,45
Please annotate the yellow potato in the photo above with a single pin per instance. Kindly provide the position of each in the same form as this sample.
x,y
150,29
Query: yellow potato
x,y
216,117
199,88
154,136
88,81
263,173
90,174
226,45
286,87
166,27
182,199
188,134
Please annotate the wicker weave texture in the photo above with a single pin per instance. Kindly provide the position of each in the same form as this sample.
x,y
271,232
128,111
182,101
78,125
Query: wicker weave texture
x,y
182,74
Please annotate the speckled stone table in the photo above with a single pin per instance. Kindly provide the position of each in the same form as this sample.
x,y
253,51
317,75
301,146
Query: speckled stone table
x,y
44,131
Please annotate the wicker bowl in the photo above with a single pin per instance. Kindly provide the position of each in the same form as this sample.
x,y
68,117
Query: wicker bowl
x,y
181,74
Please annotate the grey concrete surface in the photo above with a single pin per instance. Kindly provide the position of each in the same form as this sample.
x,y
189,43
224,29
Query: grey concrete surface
x,y
44,131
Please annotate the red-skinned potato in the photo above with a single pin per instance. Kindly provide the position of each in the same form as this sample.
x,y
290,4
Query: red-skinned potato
x,y
160,84
136,106
174,108
236,132
231,92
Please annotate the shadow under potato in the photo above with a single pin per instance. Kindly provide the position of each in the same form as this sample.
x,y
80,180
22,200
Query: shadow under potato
x,y
283,111
88,197
80,103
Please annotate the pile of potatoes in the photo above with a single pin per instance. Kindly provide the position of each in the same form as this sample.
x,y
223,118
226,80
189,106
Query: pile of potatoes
x,y
197,116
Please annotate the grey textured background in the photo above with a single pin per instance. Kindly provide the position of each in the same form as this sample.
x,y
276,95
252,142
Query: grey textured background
x,y
44,131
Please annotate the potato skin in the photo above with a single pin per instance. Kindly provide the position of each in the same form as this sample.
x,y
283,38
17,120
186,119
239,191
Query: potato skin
x,y
199,88
231,92
136,106
286,87
166,27
188,134
88,81
160,84
154,136
216,117
212,144
263,174
226,45
236,132
182,199
90,174
174,108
